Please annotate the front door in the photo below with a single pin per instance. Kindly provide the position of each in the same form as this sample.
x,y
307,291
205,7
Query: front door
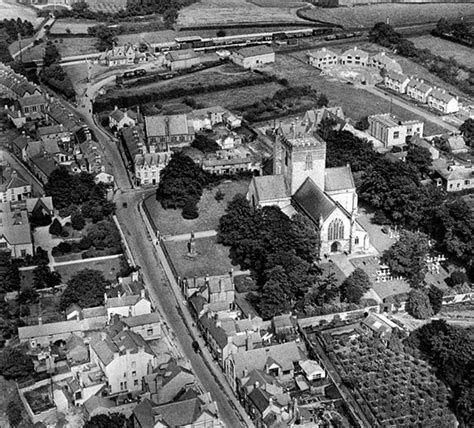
x,y
335,247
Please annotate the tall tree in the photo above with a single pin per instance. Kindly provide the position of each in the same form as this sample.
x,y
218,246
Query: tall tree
x,y
355,286
15,364
86,288
51,55
419,158
43,277
467,130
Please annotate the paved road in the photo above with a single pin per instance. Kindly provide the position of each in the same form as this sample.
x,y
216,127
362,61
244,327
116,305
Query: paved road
x,y
163,297
420,112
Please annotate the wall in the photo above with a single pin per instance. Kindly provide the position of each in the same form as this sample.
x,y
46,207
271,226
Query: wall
x,y
316,321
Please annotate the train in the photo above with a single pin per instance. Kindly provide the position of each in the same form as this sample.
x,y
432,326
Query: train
x,y
339,36
201,43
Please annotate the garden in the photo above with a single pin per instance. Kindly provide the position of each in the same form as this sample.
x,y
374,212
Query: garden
x,y
392,388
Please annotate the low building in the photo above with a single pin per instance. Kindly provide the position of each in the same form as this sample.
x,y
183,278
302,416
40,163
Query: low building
x,y
126,305
354,57
148,166
119,118
170,130
391,132
122,55
16,116
196,412
182,59
323,58
41,335
124,358
227,164
33,106
455,178
456,144
15,231
148,326
53,134
395,81
443,101
383,62
418,90
379,325
231,120
12,186
253,57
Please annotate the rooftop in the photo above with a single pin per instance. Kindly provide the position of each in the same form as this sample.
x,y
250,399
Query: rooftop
x,y
271,187
338,178
313,201
255,51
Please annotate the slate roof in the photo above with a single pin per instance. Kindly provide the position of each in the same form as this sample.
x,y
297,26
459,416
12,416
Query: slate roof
x,y
260,399
182,55
419,85
161,126
338,178
398,77
271,187
456,142
441,95
44,164
41,330
218,333
32,101
284,355
96,402
313,201
138,320
14,225
255,51
322,53
50,129
117,302
9,179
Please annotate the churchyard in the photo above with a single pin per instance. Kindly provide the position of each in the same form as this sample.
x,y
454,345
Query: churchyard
x,y
171,222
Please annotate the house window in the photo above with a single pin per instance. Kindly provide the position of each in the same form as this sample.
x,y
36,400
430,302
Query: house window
x,y
467,182
286,158
450,186
125,374
336,230
134,374
396,135
23,253
309,162
135,382
356,240
149,332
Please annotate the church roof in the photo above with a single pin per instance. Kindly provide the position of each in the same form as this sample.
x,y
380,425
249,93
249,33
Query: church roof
x,y
271,187
312,200
338,178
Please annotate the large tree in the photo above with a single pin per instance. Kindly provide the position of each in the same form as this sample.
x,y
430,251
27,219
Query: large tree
x,y
418,305
51,55
44,277
86,288
355,286
15,364
419,158
467,129
407,257
9,274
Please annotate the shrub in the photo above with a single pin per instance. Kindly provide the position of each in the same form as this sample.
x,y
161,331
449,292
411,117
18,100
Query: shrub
x,y
190,211
77,220
55,228
219,196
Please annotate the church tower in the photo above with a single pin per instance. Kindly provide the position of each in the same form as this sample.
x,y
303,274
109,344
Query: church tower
x,y
298,154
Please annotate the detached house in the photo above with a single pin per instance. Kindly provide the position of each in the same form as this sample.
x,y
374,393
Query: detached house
x,y
418,90
119,118
127,305
396,81
253,57
323,58
12,186
355,57
382,62
442,101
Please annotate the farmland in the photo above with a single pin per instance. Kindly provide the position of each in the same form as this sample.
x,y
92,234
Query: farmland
x,y
398,14
392,388
66,47
462,54
233,12
10,9
107,6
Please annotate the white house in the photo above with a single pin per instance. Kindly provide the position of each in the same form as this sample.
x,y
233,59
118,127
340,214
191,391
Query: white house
x,y
127,305
323,58
443,101
396,81
12,187
124,358
383,62
354,56
418,90
148,167
119,118
253,57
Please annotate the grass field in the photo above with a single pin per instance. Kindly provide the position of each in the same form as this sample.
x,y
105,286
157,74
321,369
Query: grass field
x,y
10,9
355,102
109,267
107,6
229,12
170,222
212,259
66,47
398,14
76,26
462,54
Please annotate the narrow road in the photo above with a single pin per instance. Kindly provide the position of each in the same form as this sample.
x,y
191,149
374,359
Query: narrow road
x,y
420,112
164,299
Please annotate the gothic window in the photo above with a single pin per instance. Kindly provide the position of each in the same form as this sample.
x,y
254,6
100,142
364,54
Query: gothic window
x,y
336,230
309,162
356,240
286,158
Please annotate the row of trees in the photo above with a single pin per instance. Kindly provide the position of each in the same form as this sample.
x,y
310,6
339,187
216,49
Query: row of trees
x,y
450,350
445,68
458,29
10,29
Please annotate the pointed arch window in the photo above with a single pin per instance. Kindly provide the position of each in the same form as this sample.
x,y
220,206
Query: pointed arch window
x,y
336,230
309,162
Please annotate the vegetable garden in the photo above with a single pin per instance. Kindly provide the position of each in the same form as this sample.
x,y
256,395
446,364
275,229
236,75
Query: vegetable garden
x,y
393,389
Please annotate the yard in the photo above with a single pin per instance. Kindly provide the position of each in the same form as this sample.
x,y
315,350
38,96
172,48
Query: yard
x,y
170,222
397,14
75,26
66,46
109,267
462,54
233,12
393,389
355,102
212,258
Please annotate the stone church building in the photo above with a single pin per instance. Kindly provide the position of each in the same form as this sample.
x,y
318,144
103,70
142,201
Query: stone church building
x,y
302,183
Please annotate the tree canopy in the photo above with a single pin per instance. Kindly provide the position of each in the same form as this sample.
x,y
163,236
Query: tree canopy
x,y
86,288
418,305
43,277
114,420
467,130
15,364
355,286
9,274
407,257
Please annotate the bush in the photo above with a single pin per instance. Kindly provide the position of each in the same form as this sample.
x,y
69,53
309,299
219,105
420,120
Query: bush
x,y
190,211
77,220
219,196
458,277
55,228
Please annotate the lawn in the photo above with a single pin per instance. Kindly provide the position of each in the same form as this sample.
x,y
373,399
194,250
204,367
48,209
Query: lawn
x,y
445,48
212,259
397,14
76,26
355,102
233,12
67,47
170,222
10,9
109,267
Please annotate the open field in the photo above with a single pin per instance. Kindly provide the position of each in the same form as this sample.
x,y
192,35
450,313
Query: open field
x,y
355,102
10,9
398,14
212,259
109,267
107,6
66,47
462,54
76,26
230,12
170,222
